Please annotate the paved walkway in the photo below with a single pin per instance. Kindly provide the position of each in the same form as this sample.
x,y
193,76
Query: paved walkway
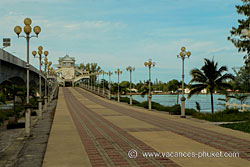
x,y
16,150
91,131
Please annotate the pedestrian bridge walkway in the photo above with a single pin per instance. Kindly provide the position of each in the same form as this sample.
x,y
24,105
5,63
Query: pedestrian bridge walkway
x,y
89,130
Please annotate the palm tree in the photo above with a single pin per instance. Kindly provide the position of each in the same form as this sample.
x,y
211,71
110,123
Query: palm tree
x,y
23,96
209,77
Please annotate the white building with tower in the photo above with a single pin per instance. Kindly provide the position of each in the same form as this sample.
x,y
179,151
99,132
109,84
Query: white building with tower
x,y
67,73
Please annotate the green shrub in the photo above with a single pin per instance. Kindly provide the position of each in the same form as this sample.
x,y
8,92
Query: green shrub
x,y
126,100
230,111
19,110
175,109
8,113
244,126
190,111
158,106
142,104
4,114
227,115
34,103
2,117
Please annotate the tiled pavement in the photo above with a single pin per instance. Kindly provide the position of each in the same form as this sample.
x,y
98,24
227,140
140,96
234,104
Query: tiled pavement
x,y
108,130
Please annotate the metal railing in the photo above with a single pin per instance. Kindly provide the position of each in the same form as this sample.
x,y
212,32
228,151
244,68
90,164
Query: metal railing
x,y
95,90
235,105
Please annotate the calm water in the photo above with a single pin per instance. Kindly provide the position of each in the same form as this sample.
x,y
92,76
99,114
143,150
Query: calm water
x,y
6,106
204,100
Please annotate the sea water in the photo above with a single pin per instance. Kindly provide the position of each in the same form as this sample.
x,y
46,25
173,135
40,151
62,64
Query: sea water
x,y
203,99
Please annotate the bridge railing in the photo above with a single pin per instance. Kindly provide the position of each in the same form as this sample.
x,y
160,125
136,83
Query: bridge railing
x,y
54,92
96,90
10,58
235,105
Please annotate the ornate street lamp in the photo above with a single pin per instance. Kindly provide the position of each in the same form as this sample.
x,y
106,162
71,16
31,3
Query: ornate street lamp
x,y
49,85
103,73
51,70
149,64
88,83
93,86
34,53
109,74
91,81
183,54
27,36
98,81
130,69
118,72
45,73
94,81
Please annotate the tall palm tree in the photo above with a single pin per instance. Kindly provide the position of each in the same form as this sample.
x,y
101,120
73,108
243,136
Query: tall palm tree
x,y
209,77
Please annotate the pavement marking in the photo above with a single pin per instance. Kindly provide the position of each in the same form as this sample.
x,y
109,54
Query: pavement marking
x,y
86,102
105,111
64,146
94,106
166,141
128,122
120,121
221,141
193,122
113,136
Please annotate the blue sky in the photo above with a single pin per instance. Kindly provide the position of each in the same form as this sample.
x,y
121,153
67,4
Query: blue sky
x,y
118,33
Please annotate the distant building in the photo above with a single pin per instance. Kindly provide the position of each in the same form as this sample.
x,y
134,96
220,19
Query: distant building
x,y
157,91
133,90
186,90
204,91
67,73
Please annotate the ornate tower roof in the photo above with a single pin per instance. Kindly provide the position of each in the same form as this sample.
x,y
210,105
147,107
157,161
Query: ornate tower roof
x,y
66,58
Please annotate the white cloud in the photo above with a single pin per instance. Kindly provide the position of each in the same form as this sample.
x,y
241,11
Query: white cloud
x,y
77,30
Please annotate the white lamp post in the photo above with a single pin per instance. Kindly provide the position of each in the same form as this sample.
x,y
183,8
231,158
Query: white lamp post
x,y
149,64
109,74
103,73
130,69
45,73
118,72
183,55
34,53
27,36
98,81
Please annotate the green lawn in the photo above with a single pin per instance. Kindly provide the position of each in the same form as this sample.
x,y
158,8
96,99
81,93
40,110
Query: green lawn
x,y
244,126
228,115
